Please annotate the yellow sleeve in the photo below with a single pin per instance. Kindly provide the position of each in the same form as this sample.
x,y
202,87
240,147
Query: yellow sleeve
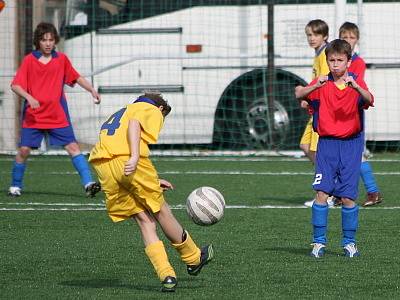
x,y
323,65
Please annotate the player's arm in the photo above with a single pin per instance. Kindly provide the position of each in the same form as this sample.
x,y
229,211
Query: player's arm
x,y
24,94
134,146
365,94
303,92
303,102
87,86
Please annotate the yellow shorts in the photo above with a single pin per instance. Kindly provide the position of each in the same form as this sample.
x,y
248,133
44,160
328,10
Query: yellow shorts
x,y
129,195
310,136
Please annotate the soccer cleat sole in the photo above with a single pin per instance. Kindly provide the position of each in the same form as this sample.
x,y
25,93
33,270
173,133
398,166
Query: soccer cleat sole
x,y
93,189
169,284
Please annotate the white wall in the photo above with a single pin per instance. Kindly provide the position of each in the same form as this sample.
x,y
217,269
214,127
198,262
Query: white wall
x,y
8,38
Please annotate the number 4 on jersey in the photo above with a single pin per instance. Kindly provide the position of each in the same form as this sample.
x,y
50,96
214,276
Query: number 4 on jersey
x,y
113,123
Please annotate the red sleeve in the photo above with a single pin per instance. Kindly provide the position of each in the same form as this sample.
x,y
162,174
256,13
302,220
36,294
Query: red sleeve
x,y
314,94
363,85
358,67
70,74
21,77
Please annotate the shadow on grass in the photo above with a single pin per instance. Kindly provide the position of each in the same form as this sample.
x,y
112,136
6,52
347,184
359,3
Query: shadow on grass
x,y
78,194
100,283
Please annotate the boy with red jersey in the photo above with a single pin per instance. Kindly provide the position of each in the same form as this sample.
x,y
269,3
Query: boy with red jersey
x,y
40,82
338,101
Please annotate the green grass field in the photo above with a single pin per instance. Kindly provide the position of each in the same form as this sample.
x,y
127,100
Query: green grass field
x,y
57,244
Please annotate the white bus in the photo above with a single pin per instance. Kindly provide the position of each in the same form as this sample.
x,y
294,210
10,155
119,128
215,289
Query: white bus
x,y
212,61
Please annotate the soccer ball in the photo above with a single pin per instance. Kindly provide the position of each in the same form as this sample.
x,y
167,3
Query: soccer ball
x,y
205,206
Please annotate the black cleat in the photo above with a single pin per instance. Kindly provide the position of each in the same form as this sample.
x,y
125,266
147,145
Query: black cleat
x,y
207,254
92,189
169,284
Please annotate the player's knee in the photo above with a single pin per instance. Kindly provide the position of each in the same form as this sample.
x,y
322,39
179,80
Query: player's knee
x,y
165,213
347,202
23,154
73,149
145,221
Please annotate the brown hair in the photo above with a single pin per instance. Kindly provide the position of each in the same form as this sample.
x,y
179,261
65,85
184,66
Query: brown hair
x,y
319,26
158,100
349,27
338,46
41,30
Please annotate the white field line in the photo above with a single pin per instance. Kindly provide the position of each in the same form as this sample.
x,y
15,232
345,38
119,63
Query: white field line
x,y
210,159
37,206
211,173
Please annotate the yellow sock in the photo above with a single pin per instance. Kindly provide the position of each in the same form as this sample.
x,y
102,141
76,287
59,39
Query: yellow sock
x,y
159,259
190,253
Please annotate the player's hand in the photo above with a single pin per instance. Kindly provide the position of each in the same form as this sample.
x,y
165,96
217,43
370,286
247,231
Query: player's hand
x,y
321,80
130,166
349,80
304,104
166,185
96,97
33,103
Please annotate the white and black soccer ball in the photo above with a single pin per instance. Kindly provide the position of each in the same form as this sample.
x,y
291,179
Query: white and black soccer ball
x,y
205,206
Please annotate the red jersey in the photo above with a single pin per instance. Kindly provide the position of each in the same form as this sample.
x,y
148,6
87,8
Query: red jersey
x,y
338,112
357,66
45,82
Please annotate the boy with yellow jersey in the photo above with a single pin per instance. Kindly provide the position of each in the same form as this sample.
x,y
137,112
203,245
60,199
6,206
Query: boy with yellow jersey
x,y
133,189
317,32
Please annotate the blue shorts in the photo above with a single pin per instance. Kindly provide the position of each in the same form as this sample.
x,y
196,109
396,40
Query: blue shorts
x,y
32,138
338,163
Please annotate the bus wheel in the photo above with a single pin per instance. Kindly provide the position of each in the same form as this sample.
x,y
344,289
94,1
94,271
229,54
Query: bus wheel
x,y
242,117
260,133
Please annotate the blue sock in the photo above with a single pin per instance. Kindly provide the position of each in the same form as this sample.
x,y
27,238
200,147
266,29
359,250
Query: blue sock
x,y
349,224
319,222
81,165
18,171
367,177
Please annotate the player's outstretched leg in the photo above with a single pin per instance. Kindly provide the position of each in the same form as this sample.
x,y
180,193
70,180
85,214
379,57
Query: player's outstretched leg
x,y
190,254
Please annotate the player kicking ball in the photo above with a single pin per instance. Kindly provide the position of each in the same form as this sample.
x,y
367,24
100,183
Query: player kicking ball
x,y
338,101
133,189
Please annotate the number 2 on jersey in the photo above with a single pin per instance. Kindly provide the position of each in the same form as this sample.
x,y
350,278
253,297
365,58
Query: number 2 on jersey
x,y
317,179
113,123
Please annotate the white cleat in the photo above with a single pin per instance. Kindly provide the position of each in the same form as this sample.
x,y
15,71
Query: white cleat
x,y
330,202
350,250
309,203
14,191
318,250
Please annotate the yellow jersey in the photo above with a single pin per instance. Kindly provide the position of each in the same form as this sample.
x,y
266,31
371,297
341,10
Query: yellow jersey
x,y
113,139
320,66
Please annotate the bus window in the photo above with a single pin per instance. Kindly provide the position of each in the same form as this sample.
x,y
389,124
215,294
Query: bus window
x,y
76,13
86,15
